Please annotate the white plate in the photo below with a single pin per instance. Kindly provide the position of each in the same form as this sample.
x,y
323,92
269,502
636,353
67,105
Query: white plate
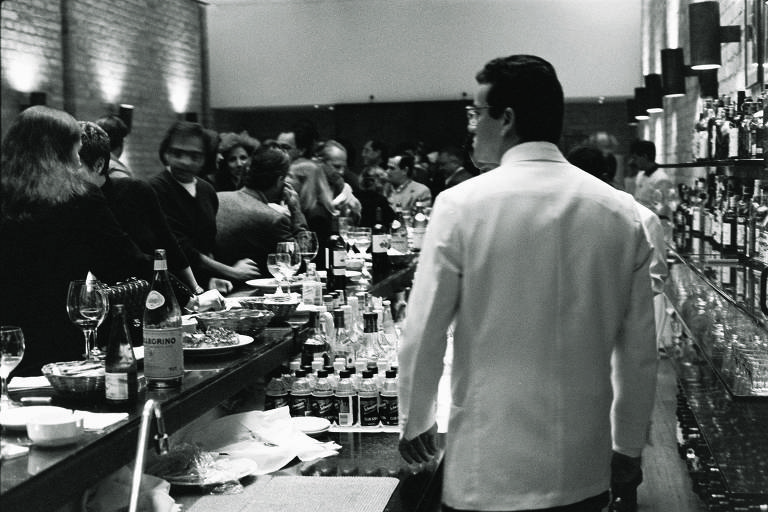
x,y
311,424
271,284
242,341
18,417
232,469
351,274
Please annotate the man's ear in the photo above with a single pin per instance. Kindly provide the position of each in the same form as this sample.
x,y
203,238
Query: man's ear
x,y
508,122
101,164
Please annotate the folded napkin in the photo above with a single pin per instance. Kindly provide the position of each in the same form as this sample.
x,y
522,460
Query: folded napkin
x,y
269,438
19,383
100,420
113,493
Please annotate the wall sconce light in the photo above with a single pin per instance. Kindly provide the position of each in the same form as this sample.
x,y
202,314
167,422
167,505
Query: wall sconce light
x,y
707,34
38,98
631,111
708,83
654,94
125,113
673,72
641,103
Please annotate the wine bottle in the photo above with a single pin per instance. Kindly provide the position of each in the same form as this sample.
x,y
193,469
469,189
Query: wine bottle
x,y
120,369
163,350
381,267
336,262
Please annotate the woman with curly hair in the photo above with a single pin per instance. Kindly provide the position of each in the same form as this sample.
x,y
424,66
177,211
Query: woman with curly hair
x,y
235,151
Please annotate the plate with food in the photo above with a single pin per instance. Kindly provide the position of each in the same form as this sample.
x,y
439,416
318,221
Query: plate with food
x,y
271,284
214,341
190,466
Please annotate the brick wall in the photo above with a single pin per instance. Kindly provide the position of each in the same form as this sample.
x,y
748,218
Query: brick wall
x,y
142,52
666,25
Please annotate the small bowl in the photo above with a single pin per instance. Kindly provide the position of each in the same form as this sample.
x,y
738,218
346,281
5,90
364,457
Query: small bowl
x,y
55,429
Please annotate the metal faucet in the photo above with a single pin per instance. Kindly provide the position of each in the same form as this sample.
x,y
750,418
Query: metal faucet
x,y
161,440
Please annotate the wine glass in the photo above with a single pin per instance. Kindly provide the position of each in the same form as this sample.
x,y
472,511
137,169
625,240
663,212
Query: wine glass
x,y
290,248
276,264
11,352
308,246
87,306
345,226
362,237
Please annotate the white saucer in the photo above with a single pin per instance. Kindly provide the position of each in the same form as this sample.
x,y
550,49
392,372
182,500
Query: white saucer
x,y
18,417
311,424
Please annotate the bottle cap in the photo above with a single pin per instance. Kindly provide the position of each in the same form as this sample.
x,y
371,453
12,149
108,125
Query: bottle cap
x,y
295,365
329,369
344,374
367,374
390,374
301,373
322,374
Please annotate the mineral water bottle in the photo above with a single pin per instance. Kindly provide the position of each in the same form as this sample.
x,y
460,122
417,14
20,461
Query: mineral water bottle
x,y
399,232
389,410
321,401
345,398
163,350
300,395
419,225
276,394
368,398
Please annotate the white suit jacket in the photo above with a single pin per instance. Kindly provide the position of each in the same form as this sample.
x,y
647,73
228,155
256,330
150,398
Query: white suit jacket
x,y
545,270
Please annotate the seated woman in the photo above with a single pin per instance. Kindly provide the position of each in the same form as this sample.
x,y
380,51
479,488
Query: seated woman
x,y
136,208
55,227
235,151
251,221
316,200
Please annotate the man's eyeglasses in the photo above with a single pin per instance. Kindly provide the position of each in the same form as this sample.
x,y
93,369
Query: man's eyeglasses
x,y
473,113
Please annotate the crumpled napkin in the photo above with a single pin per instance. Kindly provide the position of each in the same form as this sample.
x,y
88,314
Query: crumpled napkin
x,y
269,438
113,493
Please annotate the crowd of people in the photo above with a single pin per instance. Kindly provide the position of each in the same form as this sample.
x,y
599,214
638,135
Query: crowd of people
x,y
544,272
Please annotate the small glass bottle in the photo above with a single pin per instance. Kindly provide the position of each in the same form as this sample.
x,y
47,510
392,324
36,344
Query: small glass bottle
x,y
321,401
368,399
345,398
389,411
372,345
276,393
300,395
120,369
343,345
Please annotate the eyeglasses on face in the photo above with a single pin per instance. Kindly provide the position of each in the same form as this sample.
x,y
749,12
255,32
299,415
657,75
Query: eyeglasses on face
x,y
473,113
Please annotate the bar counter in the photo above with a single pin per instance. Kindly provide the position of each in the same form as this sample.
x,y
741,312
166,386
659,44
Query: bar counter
x,y
49,479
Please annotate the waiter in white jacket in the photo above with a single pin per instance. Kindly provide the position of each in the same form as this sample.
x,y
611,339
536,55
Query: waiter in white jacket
x,y
544,270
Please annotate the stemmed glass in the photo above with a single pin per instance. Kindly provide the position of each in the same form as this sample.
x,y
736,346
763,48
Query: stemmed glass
x,y
277,263
11,352
87,305
308,246
362,238
292,250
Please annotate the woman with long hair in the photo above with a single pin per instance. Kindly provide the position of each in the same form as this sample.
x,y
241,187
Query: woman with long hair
x,y
55,227
316,199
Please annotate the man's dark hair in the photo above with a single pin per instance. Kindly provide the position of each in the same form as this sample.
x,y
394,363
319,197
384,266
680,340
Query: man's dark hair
x,y
591,160
268,164
305,134
380,146
529,86
115,128
644,148
95,145
187,129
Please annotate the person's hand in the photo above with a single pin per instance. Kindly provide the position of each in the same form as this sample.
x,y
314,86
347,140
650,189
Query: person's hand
x,y
291,197
211,300
221,285
421,448
246,269
626,476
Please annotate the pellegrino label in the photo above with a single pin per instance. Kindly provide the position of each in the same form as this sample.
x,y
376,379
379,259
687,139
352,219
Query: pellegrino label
x,y
163,353
339,263
155,299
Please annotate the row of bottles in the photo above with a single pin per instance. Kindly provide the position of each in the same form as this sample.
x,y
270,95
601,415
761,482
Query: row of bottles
x,y
362,394
732,216
727,129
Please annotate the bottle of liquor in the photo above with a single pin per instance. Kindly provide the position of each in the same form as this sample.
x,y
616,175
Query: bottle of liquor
x,y
163,350
336,261
300,395
745,141
729,227
742,221
316,342
389,410
380,266
321,399
754,205
398,232
419,225
121,382
343,345
372,347
368,399
345,398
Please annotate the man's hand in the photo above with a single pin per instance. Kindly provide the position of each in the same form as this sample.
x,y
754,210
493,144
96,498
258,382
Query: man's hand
x,y
246,269
421,448
222,285
291,198
626,476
